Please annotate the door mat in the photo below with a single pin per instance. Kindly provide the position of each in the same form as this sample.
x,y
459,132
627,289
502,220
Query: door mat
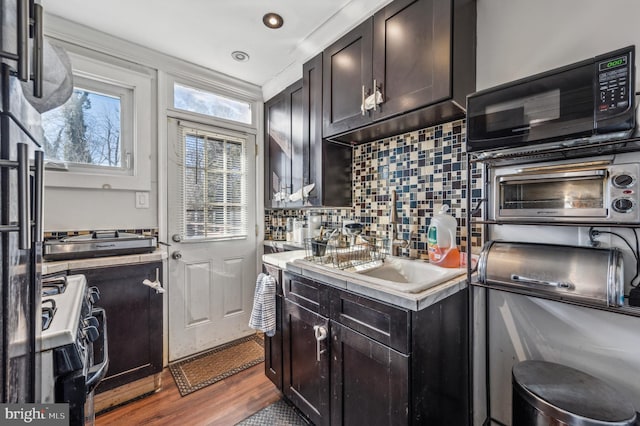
x,y
217,364
280,413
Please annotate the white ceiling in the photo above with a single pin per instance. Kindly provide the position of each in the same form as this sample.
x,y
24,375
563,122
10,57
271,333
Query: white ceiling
x,y
205,32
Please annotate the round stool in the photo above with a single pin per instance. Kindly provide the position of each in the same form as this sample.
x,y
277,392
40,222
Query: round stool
x,y
545,393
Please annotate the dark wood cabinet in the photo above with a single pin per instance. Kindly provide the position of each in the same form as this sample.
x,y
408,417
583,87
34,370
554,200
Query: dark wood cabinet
x,y
328,165
420,55
412,55
369,381
295,153
384,365
283,146
273,345
134,320
306,362
347,79
440,363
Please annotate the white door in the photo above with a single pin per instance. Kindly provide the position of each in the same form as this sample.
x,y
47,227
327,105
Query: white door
x,y
211,224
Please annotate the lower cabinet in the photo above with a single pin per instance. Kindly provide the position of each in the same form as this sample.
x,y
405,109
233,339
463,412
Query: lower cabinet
x,y
273,345
370,381
134,320
306,361
352,360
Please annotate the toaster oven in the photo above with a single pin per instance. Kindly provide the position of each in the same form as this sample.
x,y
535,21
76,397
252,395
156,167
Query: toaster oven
x,y
592,191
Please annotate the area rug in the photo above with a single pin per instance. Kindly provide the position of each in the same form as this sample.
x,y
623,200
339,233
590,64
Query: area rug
x,y
217,364
277,414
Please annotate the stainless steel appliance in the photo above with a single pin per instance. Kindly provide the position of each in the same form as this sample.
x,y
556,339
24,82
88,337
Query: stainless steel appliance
x,y
590,99
587,275
98,243
71,364
21,188
588,191
546,393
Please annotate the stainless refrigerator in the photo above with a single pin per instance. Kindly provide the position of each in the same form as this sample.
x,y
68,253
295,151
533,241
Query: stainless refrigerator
x,y
21,187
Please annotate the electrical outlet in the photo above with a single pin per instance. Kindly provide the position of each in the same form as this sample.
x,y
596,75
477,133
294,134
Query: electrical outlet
x,y
601,240
142,200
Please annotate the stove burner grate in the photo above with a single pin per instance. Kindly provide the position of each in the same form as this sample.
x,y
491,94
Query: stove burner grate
x,y
48,312
54,285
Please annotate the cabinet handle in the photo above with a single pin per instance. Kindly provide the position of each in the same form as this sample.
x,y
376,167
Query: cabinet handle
x,y
37,196
362,104
23,40
375,95
320,334
24,223
38,58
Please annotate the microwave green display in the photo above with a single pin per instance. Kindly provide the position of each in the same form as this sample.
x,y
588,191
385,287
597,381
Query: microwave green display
x,y
616,62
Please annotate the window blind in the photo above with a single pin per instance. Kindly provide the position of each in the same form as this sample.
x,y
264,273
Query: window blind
x,y
213,198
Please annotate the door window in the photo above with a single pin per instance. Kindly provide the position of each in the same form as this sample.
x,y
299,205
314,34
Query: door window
x,y
214,186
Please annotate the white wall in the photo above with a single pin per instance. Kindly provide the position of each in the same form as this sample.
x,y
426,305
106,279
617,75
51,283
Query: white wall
x,y
516,39
89,209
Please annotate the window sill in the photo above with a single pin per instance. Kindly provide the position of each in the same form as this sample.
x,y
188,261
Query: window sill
x,y
66,179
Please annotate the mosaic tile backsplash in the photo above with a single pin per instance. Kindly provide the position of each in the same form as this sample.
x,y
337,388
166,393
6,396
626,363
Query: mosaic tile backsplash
x,y
426,168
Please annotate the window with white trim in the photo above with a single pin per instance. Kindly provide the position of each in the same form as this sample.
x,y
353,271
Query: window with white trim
x,y
93,128
205,102
101,137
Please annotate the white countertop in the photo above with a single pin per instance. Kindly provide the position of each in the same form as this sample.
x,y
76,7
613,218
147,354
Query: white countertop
x,y
281,259
95,262
294,262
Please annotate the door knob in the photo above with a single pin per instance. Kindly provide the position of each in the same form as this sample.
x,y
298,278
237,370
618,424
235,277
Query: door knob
x,y
176,255
176,238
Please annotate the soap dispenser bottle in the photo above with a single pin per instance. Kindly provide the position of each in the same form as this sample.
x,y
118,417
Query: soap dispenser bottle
x,y
441,240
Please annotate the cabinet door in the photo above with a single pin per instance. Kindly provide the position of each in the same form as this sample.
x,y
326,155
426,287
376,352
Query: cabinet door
x,y
327,165
346,74
277,148
298,178
370,381
412,54
273,349
312,126
273,345
134,320
306,370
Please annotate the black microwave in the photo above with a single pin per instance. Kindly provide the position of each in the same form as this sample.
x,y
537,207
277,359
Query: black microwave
x,y
585,99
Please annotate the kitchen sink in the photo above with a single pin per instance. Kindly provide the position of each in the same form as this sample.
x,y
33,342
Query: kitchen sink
x,y
410,276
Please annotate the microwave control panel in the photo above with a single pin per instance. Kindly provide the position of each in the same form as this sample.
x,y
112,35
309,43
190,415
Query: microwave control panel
x,y
615,83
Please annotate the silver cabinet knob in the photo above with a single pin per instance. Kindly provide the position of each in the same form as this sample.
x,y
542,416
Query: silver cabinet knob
x,y
321,334
176,238
176,255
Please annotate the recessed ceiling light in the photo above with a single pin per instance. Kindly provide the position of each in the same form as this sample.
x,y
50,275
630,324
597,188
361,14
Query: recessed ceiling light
x,y
240,56
273,20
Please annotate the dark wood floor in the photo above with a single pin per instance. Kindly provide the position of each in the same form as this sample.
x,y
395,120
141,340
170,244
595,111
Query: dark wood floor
x,y
224,403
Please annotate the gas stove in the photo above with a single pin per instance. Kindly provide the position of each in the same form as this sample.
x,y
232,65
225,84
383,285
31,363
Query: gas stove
x,y
61,311
71,325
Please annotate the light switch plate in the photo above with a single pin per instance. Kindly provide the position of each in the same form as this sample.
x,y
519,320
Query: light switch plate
x,y
142,200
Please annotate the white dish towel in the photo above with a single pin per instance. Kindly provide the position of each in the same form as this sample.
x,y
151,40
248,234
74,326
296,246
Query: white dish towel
x,y
263,315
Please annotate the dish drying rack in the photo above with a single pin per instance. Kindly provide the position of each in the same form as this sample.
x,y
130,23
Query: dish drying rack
x,y
343,255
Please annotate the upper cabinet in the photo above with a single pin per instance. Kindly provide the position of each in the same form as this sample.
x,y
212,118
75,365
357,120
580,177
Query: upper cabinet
x,y
283,145
347,80
409,66
301,169
328,164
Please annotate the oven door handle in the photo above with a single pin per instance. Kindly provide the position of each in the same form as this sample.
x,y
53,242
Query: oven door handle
x,y
99,371
568,175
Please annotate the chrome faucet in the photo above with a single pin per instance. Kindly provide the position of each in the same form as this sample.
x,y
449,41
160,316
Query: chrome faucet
x,y
394,243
